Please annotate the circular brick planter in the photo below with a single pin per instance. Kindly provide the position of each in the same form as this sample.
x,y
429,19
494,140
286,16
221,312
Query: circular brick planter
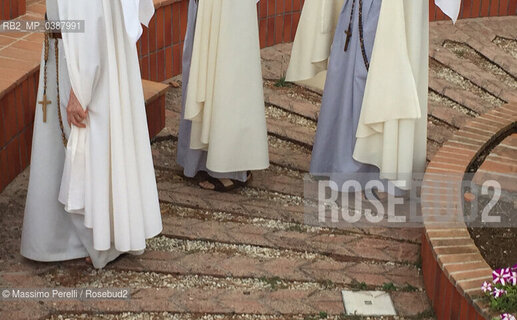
x,y
452,264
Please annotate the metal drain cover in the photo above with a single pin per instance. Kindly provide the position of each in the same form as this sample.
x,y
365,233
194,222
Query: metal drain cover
x,y
368,303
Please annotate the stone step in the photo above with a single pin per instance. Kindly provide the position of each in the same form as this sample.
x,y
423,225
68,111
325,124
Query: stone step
x,y
172,190
274,181
452,117
325,273
290,100
462,97
439,133
346,247
227,301
291,132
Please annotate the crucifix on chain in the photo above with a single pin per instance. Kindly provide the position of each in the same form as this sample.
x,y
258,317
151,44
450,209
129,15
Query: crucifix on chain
x,y
44,103
348,31
348,37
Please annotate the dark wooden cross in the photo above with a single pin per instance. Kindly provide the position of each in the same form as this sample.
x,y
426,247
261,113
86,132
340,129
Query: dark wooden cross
x,y
348,37
44,103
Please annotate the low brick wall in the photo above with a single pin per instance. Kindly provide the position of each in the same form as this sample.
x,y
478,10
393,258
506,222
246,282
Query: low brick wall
x,y
11,9
161,46
453,267
477,9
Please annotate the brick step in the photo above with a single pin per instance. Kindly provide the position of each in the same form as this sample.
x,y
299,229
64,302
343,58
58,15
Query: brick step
x,y
174,191
355,247
154,94
283,129
459,95
452,117
287,99
474,73
234,301
219,265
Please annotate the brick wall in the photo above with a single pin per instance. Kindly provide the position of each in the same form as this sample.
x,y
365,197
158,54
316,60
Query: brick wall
x,y
477,8
10,9
161,46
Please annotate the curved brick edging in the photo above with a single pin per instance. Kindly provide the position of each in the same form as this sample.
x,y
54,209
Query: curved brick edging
x,y
453,266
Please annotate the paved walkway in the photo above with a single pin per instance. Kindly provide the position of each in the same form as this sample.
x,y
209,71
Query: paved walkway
x,y
248,254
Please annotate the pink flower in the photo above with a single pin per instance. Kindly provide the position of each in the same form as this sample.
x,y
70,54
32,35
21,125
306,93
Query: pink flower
x,y
502,276
487,287
498,292
514,268
513,279
507,316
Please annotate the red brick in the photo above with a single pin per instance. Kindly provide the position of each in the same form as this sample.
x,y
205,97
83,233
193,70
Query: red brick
x,y
176,60
279,28
4,170
161,75
160,28
168,25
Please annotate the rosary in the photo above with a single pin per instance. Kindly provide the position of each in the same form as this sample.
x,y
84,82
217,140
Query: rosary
x,y
45,102
348,32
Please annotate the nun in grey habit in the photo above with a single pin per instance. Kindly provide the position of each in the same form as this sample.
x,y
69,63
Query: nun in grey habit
x,y
332,155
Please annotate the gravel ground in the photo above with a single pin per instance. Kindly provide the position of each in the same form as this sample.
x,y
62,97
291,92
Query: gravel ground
x,y
508,45
274,225
280,114
187,316
435,97
146,280
464,51
193,246
443,72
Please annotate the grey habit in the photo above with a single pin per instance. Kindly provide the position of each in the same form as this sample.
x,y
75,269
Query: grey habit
x,y
342,99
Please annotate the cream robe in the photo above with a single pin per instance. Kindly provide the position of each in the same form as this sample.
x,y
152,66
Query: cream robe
x,y
225,99
392,131
314,36
108,174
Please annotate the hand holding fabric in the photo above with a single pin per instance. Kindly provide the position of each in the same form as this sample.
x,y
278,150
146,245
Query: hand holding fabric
x,y
75,112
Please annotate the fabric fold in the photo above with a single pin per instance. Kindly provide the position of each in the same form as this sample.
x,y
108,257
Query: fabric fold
x,y
392,129
108,174
225,100
311,47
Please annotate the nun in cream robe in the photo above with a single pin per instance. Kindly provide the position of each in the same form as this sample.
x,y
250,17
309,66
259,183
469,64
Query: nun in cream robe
x,y
98,197
223,126
392,129
311,46
376,126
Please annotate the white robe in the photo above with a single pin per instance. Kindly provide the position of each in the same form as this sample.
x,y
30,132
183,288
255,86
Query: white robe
x,y
311,46
392,131
107,185
225,98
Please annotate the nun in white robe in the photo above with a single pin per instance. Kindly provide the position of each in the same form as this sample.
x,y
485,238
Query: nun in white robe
x,y
223,126
392,129
311,46
97,198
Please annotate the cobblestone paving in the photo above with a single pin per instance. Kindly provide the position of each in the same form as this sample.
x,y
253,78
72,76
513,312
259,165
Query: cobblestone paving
x,y
248,254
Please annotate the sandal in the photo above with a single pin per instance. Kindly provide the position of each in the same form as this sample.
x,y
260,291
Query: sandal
x,y
219,186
